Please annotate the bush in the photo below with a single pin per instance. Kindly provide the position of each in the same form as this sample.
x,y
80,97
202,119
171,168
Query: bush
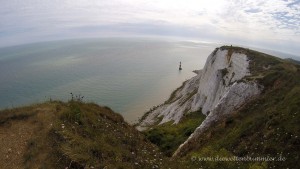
x,y
169,136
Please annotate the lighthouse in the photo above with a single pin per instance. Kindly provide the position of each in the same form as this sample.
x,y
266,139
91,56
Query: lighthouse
x,y
180,66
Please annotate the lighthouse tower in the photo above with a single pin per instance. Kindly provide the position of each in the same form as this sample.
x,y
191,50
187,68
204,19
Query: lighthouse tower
x,y
180,66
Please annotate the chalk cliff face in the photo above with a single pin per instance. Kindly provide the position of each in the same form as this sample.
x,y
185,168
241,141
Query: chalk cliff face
x,y
218,89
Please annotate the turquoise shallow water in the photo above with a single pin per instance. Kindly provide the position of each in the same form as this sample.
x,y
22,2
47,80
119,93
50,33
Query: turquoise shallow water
x,y
128,75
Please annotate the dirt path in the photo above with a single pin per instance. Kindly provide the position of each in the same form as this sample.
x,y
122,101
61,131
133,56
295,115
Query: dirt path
x,y
16,133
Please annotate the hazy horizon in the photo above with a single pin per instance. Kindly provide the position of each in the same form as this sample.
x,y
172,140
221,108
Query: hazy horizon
x,y
170,39
271,24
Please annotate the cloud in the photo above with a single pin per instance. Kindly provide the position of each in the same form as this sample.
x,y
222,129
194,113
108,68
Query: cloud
x,y
253,10
249,21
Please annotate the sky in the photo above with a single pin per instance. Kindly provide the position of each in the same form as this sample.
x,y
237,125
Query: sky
x,y
270,24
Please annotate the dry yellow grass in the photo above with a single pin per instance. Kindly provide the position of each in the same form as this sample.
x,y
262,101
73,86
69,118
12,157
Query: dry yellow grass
x,y
17,127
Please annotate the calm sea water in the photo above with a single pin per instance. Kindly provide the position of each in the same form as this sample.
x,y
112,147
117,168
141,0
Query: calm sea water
x,y
128,75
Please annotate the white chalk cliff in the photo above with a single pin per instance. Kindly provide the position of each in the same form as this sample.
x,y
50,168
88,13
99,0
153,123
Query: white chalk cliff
x,y
218,89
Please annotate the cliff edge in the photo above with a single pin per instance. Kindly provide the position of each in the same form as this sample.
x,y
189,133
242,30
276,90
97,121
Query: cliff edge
x,y
232,80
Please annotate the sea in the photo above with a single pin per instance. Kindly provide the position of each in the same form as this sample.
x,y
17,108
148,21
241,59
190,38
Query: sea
x,y
129,75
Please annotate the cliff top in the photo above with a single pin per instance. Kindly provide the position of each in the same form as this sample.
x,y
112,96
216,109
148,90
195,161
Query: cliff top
x,y
74,135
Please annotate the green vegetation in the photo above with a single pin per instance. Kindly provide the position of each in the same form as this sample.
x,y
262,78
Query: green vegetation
x,y
173,94
84,135
189,96
8,115
76,135
267,126
258,60
169,136
171,99
224,72
293,60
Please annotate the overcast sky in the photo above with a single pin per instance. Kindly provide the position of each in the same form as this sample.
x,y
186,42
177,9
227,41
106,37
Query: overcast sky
x,y
273,24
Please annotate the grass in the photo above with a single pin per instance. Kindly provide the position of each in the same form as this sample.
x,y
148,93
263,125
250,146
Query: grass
x,y
267,126
10,116
224,72
258,60
171,99
169,136
89,135
189,96
79,135
173,94
84,135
